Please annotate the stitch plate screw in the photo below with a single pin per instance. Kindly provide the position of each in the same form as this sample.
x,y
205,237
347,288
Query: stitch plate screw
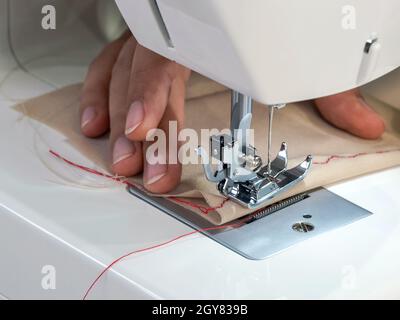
x,y
303,227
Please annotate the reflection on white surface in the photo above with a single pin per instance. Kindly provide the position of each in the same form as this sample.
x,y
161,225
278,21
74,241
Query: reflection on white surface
x,y
56,57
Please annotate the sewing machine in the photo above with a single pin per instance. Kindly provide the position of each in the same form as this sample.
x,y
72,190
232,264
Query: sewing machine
x,y
77,235
265,50
256,59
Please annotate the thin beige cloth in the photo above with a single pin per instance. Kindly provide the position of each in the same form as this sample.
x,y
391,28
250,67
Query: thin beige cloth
x,y
337,154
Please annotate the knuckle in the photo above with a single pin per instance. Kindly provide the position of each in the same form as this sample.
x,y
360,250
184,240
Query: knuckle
x,y
175,70
151,83
155,89
169,67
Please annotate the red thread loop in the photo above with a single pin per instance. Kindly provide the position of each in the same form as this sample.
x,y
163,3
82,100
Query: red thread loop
x,y
233,225
203,209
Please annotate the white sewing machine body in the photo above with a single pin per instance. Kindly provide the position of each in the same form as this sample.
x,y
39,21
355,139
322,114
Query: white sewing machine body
x,y
275,51
49,225
272,51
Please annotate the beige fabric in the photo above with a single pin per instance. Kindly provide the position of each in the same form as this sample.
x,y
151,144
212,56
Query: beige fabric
x,y
298,124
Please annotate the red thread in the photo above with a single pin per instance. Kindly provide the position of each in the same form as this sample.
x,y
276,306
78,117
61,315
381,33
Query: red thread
x,y
203,209
93,171
338,157
234,225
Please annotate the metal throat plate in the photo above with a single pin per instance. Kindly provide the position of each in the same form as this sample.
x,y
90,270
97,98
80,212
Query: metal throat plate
x,y
273,228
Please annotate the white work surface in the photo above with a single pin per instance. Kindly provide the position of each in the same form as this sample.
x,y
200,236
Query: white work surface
x,y
46,221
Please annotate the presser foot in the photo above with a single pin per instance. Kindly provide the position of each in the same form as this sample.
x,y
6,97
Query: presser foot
x,y
247,185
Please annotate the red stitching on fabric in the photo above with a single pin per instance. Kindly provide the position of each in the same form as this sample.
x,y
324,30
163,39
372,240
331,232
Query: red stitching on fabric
x,y
203,209
339,157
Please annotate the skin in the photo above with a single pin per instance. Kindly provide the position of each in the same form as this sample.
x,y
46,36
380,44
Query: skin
x,y
130,90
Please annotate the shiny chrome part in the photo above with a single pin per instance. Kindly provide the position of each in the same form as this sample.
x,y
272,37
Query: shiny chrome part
x,y
303,227
273,228
241,175
211,175
270,119
370,42
241,116
259,190
278,165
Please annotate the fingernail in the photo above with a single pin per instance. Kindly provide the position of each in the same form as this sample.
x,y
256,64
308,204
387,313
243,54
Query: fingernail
x,y
156,169
123,149
88,115
135,117
155,173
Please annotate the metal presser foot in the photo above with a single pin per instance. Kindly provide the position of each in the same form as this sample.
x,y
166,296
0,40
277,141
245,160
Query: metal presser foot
x,y
241,175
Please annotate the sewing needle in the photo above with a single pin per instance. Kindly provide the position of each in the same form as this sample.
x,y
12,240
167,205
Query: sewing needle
x,y
270,119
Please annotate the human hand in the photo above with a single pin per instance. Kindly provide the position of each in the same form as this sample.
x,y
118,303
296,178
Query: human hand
x,y
130,90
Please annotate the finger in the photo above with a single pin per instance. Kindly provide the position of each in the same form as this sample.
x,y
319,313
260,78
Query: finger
x,y
350,112
150,85
94,100
126,154
164,177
